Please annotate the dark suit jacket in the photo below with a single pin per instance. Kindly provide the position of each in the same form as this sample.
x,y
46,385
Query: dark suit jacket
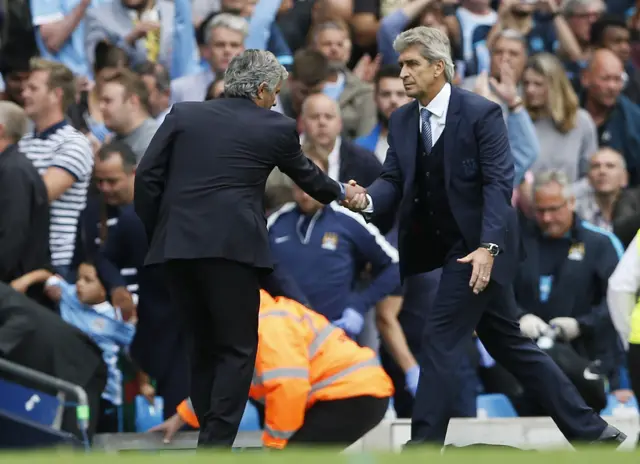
x,y
479,171
199,188
24,218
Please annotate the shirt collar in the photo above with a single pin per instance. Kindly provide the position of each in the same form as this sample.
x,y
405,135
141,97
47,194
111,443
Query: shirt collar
x,y
439,105
49,130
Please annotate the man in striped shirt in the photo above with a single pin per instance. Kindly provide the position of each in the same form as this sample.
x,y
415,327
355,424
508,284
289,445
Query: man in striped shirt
x,y
62,155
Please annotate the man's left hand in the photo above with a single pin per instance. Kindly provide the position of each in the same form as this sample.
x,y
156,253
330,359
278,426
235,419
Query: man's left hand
x,y
569,327
351,322
482,262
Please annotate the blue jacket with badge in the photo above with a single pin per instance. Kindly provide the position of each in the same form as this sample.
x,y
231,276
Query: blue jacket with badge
x,y
568,277
325,254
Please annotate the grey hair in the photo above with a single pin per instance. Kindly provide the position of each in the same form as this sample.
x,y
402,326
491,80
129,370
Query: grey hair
x,y
569,7
249,70
227,21
512,34
14,121
553,176
434,46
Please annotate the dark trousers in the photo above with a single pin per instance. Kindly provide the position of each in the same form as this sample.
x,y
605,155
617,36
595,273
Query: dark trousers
x,y
448,326
337,422
219,301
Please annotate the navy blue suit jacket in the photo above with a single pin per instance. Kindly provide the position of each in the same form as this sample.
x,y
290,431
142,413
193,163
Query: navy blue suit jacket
x,y
479,174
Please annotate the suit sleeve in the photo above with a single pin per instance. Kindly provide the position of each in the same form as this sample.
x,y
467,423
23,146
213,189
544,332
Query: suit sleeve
x,y
496,165
152,173
386,191
15,198
303,171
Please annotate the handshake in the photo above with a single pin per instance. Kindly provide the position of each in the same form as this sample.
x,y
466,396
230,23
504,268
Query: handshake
x,y
355,198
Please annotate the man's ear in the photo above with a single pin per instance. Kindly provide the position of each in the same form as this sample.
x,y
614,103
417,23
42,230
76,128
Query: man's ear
x,y
262,88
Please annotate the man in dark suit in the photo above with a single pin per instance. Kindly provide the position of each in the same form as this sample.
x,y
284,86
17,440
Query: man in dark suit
x,y
450,172
24,205
199,191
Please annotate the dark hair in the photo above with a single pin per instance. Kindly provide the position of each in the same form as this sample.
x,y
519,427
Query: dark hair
x,y
129,160
310,67
157,71
385,72
599,27
109,56
209,95
133,85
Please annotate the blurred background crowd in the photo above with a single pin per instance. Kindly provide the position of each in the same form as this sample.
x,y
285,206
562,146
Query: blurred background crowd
x,y
85,84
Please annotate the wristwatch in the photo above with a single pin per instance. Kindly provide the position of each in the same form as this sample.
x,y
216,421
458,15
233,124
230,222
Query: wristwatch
x,y
492,248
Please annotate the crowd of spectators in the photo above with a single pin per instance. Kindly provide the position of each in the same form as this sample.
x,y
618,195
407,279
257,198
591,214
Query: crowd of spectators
x,y
85,84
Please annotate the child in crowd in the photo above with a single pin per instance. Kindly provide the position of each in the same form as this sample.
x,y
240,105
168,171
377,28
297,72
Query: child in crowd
x,y
85,306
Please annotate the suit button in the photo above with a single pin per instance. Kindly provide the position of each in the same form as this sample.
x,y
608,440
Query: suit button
x,y
430,213
428,174
437,232
428,194
415,200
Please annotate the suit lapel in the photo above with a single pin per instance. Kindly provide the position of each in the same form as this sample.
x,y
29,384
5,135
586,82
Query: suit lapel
x,y
407,147
451,129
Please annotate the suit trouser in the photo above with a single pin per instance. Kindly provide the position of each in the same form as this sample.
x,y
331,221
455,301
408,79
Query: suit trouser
x,y
633,361
450,323
219,301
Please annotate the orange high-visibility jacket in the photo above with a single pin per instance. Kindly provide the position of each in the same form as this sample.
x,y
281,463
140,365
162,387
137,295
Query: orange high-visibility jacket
x,y
302,358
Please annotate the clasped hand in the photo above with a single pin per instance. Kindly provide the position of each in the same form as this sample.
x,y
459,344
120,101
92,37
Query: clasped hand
x,y
355,196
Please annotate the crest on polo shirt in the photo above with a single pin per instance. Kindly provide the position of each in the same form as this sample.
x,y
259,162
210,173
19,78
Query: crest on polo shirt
x,y
330,241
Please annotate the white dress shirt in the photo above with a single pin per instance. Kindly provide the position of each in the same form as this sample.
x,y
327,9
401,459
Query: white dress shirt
x,y
623,287
438,108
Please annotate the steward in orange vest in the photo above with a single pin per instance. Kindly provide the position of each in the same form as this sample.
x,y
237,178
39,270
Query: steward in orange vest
x,y
316,384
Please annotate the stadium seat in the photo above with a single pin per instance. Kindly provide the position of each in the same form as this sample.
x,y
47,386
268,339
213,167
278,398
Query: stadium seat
x,y
148,415
250,419
494,405
27,403
618,409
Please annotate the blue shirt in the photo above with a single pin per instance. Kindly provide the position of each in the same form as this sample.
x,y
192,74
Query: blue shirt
x,y
325,254
72,52
104,324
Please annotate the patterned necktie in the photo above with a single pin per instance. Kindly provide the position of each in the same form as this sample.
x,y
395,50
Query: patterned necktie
x,y
425,115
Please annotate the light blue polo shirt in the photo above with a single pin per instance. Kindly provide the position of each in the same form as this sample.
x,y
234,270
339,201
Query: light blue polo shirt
x,y
72,53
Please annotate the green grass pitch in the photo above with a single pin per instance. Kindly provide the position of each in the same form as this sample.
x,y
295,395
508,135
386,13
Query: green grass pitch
x,y
458,456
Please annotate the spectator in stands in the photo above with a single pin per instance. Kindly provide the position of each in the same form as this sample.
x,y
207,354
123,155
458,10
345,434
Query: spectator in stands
x,y
36,337
611,32
148,30
338,392
566,132
225,37
276,42
24,204
156,78
333,40
580,16
309,73
322,124
545,29
85,114
418,12
389,96
508,60
15,74
616,117
324,248
562,283
59,28
125,107
597,196
468,25
84,306
61,154
121,262
354,96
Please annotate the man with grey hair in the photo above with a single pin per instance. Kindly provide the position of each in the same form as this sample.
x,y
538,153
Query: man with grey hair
x,y
449,172
225,36
24,205
199,191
